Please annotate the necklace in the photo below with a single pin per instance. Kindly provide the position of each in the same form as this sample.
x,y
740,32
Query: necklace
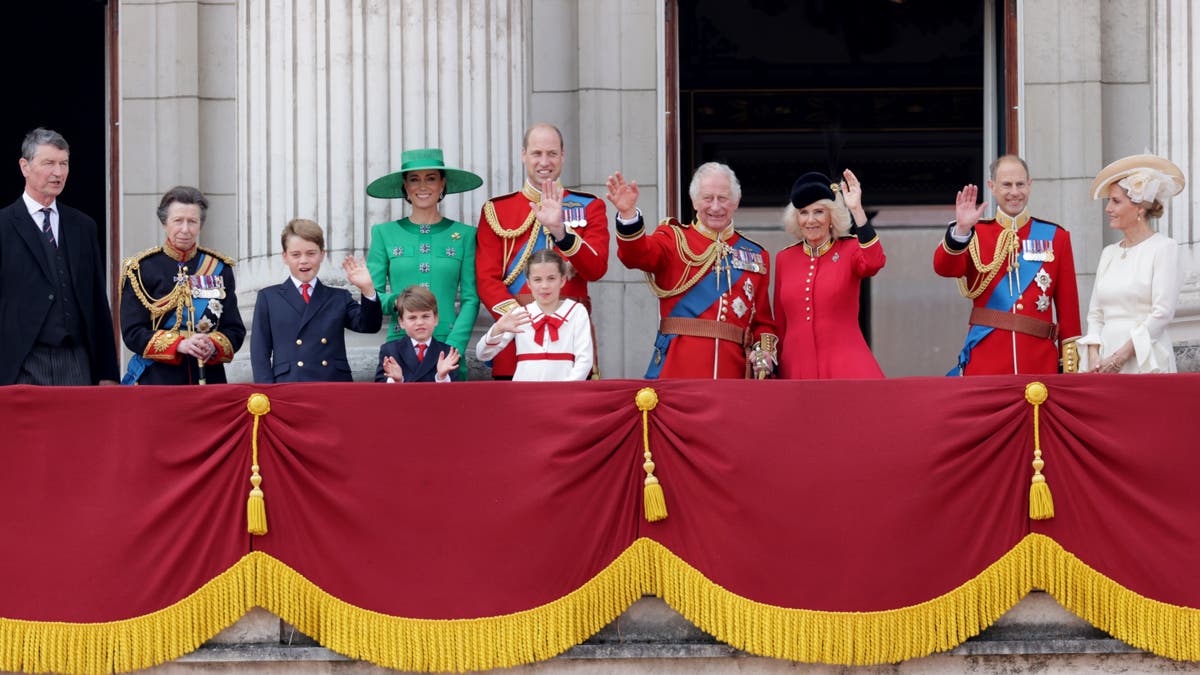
x,y
1125,246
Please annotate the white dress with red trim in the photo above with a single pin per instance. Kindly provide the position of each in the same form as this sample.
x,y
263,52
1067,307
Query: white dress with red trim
x,y
551,348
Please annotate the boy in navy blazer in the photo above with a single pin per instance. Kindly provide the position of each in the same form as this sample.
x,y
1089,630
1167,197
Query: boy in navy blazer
x,y
416,357
299,326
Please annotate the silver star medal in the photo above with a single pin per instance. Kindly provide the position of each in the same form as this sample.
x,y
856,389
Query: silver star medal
x,y
739,307
836,255
1043,302
748,288
1042,279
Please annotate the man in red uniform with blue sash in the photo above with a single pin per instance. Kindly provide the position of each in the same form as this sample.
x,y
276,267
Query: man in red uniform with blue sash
x,y
542,214
712,283
1020,274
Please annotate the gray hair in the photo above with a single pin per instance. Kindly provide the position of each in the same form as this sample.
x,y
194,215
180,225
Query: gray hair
x,y
996,165
42,136
182,194
838,214
708,168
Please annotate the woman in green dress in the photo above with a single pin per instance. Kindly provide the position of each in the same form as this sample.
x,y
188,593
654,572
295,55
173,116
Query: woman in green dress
x,y
426,248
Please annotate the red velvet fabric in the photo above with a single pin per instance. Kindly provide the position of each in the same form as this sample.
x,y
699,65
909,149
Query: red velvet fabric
x,y
487,498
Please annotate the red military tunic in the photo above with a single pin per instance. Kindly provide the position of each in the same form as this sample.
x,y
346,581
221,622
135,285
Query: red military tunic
x,y
816,307
505,226
744,305
1057,302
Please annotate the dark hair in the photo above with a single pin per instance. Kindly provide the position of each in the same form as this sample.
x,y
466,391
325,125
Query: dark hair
x,y
546,255
996,165
42,136
306,229
1154,209
404,184
542,125
182,194
416,299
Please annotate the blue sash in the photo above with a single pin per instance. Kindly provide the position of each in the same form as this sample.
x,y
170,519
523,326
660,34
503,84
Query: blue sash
x,y
1002,299
536,243
699,298
574,210
138,363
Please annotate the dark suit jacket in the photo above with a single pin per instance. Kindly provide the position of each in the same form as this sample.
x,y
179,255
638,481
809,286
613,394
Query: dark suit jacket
x,y
27,284
291,341
413,370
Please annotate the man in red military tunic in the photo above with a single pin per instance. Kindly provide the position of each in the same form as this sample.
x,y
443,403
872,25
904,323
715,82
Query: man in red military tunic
x,y
541,215
712,283
1019,272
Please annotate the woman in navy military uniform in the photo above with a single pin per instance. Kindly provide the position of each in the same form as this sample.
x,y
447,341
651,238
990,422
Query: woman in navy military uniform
x,y
179,313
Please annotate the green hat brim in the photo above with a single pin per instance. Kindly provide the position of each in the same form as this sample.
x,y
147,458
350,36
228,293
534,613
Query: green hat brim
x,y
391,186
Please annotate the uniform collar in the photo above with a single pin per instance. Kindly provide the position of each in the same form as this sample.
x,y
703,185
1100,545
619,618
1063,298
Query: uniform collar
x,y
177,255
1013,223
709,233
817,251
534,194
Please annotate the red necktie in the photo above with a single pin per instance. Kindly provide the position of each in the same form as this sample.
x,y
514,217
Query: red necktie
x,y
543,322
304,292
421,352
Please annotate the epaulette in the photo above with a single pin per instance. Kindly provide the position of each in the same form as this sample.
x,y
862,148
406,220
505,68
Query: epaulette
x,y
673,222
579,193
132,261
217,254
505,196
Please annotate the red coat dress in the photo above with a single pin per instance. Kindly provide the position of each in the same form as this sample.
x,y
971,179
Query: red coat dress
x,y
1058,302
744,303
816,307
502,242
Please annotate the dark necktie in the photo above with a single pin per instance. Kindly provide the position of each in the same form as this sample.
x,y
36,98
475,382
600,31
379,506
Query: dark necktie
x,y
46,231
421,352
304,292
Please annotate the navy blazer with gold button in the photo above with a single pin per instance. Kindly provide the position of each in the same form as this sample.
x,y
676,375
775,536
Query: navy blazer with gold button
x,y
294,341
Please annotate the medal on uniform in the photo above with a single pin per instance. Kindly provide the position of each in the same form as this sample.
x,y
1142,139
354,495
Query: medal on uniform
x,y
836,255
574,215
1039,250
739,307
1042,279
1043,302
207,286
748,289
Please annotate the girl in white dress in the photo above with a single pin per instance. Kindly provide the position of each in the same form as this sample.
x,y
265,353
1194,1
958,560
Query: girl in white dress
x,y
553,334
1137,280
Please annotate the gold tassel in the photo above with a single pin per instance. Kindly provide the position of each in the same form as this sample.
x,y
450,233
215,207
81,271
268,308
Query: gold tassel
x,y
654,502
256,506
1041,503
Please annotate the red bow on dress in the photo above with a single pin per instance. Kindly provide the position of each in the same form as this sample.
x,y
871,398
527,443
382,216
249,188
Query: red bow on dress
x,y
543,322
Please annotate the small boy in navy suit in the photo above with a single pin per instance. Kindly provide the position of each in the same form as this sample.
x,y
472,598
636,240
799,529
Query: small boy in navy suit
x,y
299,326
416,357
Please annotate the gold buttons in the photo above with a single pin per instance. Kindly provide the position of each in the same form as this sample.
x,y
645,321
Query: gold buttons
x,y
299,364
324,363
324,341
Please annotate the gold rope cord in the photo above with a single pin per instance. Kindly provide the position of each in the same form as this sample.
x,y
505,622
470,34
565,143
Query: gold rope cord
x,y
703,261
1007,244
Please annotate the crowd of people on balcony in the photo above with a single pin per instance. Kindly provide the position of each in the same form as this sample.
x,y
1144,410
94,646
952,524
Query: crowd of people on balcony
x,y
530,259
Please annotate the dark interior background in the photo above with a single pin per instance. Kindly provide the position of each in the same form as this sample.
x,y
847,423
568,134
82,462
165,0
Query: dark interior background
x,y
55,76
763,81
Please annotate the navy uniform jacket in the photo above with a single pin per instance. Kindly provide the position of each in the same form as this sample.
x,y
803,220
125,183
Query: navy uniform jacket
x,y
292,341
405,354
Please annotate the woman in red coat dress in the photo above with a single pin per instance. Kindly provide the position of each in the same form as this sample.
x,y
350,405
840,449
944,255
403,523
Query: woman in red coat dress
x,y
817,281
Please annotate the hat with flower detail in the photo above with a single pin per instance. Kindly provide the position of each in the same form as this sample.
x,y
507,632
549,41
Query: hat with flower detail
x,y
391,186
1145,178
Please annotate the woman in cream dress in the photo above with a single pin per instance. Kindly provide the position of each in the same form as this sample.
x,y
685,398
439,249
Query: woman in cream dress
x,y
1137,280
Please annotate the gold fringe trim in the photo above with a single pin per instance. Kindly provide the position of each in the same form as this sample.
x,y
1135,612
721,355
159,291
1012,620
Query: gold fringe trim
x,y
130,644
846,638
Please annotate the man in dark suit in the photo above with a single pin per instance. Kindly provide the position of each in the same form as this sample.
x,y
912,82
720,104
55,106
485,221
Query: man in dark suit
x,y
55,321
299,326
418,356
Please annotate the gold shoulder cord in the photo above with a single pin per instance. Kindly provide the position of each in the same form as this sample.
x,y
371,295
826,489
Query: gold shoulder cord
x,y
489,214
1007,244
176,299
703,261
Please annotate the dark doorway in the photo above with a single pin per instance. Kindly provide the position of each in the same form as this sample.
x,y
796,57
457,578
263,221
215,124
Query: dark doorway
x,y
56,78
762,83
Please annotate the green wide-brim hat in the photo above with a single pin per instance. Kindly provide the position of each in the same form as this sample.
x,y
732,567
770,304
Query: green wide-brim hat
x,y
391,186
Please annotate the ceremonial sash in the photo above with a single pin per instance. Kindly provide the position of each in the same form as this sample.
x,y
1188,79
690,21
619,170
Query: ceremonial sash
x,y
701,296
537,240
1002,299
206,265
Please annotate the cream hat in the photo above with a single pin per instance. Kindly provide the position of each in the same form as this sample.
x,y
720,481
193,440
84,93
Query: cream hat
x,y
1146,178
